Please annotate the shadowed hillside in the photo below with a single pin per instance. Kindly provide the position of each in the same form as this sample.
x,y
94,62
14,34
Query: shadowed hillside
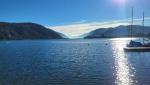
x,y
26,31
120,31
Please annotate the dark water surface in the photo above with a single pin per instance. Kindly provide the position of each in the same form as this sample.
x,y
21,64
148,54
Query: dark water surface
x,y
72,62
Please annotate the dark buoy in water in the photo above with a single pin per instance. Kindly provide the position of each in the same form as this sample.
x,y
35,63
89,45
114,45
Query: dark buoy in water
x,y
88,44
106,43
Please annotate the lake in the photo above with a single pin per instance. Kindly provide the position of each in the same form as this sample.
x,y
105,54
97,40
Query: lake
x,y
72,62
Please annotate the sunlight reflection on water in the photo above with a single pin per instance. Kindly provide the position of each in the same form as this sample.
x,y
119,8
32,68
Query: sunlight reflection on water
x,y
124,70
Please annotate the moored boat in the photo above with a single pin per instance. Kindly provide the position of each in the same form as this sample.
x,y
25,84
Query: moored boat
x,y
135,45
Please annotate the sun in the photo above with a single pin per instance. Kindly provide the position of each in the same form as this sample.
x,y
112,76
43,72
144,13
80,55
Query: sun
x,y
120,2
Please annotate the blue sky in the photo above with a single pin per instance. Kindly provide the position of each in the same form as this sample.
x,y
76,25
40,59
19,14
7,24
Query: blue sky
x,y
54,13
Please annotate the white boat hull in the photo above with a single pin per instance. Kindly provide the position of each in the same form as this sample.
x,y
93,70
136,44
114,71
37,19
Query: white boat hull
x,y
137,49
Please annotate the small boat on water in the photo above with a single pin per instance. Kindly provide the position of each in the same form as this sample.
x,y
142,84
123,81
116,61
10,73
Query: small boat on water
x,y
136,45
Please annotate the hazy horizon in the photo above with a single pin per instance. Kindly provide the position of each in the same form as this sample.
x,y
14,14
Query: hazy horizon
x,y
76,29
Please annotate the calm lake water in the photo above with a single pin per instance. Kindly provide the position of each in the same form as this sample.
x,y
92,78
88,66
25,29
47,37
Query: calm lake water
x,y
72,62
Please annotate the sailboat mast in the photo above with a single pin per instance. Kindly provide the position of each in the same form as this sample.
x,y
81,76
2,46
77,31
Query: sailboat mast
x,y
131,30
143,26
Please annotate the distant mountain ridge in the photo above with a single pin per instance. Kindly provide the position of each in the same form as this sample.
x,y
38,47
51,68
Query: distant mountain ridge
x,y
118,32
21,31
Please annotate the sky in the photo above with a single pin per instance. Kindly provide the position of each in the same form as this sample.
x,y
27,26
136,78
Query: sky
x,y
74,17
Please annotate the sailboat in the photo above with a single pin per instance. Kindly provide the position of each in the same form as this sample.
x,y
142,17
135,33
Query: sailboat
x,y
135,45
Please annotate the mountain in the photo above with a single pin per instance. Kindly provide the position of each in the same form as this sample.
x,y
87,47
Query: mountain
x,y
63,35
120,31
26,31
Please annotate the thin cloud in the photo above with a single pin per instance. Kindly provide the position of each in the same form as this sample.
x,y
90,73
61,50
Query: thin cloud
x,y
76,29
79,22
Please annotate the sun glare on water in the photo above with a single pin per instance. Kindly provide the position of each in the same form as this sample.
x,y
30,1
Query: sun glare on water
x,y
124,69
